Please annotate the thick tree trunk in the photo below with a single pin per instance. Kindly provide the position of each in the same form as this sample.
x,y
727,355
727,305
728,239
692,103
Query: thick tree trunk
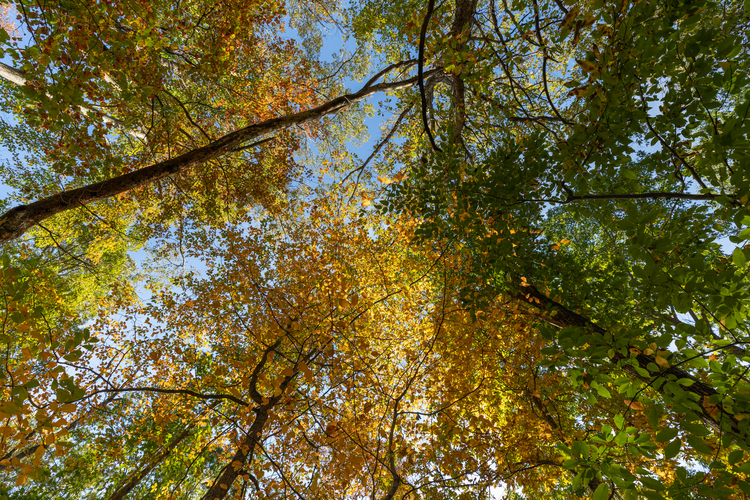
x,y
565,317
18,220
245,452
462,18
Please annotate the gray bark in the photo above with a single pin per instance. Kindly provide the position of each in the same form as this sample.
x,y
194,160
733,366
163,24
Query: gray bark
x,y
18,220
565,317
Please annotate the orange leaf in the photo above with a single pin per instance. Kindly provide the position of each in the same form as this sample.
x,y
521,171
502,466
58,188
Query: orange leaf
x,y
635,405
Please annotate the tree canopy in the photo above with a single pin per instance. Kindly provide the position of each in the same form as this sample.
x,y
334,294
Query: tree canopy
x,y
532,284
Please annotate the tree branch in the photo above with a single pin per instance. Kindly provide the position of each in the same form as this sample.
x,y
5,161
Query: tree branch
x,y
20,219
18,77
420,73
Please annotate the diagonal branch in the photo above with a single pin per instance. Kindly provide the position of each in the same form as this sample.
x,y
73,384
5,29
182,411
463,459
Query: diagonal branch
x,y
565,317
20,219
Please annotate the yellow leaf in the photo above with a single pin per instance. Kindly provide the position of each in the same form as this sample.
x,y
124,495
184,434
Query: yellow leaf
x,y
21,480
662,361
366,203
564,241
587,66
68,408
570,16
648,351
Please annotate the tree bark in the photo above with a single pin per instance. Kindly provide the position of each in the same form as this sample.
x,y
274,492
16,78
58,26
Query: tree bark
x,y
246,450
463,16
18,220
565,317
221,486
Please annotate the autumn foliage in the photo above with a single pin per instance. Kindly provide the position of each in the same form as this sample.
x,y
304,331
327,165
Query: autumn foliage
x,y
533,283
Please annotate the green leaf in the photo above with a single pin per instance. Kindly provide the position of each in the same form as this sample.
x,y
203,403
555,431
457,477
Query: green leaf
x,y
73,356
699,445
62,395
672,449
652,483
735,456
738,257
666,435
619,421
695,429
570,463
603,392
652,495
31,384
601,492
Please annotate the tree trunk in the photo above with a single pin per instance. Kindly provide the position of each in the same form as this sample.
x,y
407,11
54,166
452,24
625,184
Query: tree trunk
x,y
246,450
18,220
565,317
462,18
